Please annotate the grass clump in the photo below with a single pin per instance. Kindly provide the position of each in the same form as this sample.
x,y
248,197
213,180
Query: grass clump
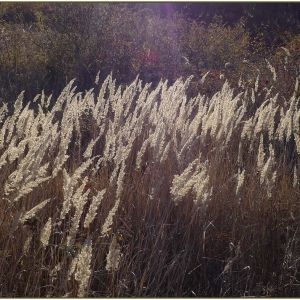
x,y
150,192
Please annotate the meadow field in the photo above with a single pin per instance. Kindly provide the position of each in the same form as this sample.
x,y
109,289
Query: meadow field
x,y
145,190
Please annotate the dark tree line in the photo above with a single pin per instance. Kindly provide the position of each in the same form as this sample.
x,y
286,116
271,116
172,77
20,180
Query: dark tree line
x,y
45,45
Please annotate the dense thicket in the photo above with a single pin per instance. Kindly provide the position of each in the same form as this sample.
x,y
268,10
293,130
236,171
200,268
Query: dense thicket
x,y
45,45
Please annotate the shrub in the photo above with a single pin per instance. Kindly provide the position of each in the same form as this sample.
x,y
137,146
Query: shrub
x,y
45,46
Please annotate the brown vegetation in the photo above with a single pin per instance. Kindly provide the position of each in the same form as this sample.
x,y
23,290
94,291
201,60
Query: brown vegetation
x,y
146,192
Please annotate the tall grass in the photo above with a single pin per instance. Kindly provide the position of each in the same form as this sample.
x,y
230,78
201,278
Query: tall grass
x,y
141,191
